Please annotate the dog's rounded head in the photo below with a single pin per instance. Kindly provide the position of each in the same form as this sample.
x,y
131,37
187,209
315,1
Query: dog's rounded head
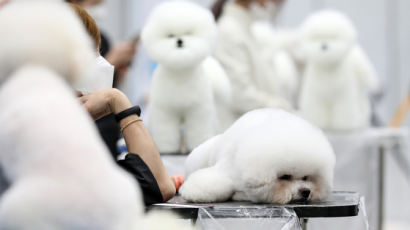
x,y
179,34
286,158
327,36
44,33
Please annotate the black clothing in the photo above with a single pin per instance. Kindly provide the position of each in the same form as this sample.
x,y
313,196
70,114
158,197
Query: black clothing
x,y
149,186
110,132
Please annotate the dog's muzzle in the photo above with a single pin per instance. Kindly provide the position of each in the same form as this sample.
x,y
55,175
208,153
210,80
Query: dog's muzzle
x,y
180,43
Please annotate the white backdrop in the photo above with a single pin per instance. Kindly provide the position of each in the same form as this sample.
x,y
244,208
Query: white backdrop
x,y
384,33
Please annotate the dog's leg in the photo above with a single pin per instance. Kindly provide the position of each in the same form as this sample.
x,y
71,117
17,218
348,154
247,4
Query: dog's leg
x,y
348,115
199,125
201,156
207,185
164,128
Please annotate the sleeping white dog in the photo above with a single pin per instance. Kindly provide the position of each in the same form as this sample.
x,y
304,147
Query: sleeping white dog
x,y
338,77
267,156
59,174
180,35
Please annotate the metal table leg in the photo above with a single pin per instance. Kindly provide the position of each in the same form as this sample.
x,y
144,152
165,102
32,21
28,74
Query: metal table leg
x,y
382,158
303,223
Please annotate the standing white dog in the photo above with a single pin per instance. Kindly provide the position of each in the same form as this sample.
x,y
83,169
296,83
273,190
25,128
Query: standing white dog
x,y
180,35
268,155
338,76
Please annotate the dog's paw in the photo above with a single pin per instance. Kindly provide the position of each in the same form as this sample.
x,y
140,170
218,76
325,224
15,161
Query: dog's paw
x,y
207,185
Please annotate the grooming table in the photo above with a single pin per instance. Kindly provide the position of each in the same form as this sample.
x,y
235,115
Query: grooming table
x,y
360,166
338,204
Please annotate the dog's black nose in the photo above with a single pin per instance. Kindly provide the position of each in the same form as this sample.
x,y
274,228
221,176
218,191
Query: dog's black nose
x,y
180,43
324,47
305,193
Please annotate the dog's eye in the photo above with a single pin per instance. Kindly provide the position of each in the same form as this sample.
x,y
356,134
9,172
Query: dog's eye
x,y
285,177
305,178
171,35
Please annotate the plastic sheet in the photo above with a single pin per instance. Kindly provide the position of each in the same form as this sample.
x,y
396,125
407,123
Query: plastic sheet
x,y
247,218
364,212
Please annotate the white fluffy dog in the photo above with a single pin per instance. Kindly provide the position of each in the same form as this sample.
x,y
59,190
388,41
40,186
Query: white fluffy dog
x,y
60,174
268,156
338,76
66,54
180,35
59,179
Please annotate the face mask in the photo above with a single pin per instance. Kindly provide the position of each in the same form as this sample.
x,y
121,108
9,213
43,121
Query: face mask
x,y
102,79
259,12
97,12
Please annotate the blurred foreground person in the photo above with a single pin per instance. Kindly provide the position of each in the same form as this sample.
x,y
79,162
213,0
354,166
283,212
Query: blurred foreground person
x,y
120,56
146,166
239,54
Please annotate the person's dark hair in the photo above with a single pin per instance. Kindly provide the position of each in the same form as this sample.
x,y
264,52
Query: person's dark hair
x,y
217,8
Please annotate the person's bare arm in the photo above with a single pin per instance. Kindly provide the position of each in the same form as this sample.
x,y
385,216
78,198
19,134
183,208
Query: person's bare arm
x,y
136,136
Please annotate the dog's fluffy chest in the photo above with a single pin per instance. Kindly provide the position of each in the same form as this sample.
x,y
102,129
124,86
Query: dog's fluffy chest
x,y
180,88
334,82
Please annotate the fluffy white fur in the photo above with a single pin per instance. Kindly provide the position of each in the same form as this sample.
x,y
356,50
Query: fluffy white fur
x,y
249,159
69,48
180,35
338,77
59,174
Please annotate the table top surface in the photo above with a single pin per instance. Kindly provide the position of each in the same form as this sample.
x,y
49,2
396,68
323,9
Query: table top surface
x,y
338,204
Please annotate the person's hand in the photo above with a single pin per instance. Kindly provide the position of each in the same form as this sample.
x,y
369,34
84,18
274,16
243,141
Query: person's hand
x,y
121,54
104,102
